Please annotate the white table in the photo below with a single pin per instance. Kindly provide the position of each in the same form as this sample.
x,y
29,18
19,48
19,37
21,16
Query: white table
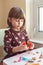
x,y
10,61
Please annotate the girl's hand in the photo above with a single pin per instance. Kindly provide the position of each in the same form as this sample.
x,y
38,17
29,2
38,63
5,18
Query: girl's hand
x,y
19,48
31,45
23,47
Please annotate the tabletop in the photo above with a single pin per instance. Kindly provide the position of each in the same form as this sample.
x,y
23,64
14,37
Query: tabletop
x,y
34,56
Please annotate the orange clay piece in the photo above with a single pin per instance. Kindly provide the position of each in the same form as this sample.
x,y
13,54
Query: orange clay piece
x,y
29,44
31,64
24,43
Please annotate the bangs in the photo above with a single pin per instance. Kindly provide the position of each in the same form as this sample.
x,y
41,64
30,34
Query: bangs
x,y
19,15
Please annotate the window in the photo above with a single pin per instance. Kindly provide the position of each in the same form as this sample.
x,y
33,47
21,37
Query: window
x,y
36,20
40,19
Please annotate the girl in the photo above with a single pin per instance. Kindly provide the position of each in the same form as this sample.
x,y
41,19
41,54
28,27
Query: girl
x,y
16,38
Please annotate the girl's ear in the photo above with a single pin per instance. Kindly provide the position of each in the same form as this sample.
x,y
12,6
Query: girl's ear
x,y
9,19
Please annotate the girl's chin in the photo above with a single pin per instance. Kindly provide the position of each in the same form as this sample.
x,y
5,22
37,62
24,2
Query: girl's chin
x,y
18,27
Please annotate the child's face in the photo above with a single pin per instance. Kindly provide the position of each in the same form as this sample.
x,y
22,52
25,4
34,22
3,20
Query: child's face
x,y
17,23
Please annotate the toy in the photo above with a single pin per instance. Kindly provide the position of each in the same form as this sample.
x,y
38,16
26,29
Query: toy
x,y
29,44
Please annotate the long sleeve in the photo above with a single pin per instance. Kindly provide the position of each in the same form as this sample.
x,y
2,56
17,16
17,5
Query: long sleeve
x,y
7,42
29,43
26,36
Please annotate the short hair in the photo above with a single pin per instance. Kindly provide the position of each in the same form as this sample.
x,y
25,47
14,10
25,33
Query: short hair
x,y
15,12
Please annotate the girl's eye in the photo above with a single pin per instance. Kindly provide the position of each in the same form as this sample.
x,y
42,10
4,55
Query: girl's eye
x,y
17,20
21,20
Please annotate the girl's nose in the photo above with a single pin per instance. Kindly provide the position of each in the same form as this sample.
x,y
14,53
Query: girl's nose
x,y
18,22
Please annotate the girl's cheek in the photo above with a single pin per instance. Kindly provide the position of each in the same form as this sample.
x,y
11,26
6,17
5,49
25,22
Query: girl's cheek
x,y
21,23
16,23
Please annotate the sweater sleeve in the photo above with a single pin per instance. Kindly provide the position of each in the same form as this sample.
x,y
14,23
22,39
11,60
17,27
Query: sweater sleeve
x,y
29,43
7,42
26,36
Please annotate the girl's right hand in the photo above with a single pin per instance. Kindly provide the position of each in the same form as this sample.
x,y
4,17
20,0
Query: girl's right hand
x,y
20,48
23,47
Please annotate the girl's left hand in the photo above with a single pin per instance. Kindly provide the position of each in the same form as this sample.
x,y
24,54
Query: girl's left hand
x,y
31,45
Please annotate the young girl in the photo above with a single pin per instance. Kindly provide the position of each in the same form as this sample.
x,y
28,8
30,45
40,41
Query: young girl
x,y
16,38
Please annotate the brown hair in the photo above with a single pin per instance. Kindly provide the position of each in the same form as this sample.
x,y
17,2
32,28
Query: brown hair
x,y
16,12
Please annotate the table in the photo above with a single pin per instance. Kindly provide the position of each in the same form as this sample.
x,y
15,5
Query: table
x,y
34,53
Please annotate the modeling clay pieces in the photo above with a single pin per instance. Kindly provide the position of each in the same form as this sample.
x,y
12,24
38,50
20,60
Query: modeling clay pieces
x,y
19,59
34,58
32,64
41,56
15,61
29,44
26,59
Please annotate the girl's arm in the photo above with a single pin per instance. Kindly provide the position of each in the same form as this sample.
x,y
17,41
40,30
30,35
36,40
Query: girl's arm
x,y
7,43
29,43
9,48
19,48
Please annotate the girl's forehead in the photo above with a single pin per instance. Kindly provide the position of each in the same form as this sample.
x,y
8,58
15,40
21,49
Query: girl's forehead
x,y
18,18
